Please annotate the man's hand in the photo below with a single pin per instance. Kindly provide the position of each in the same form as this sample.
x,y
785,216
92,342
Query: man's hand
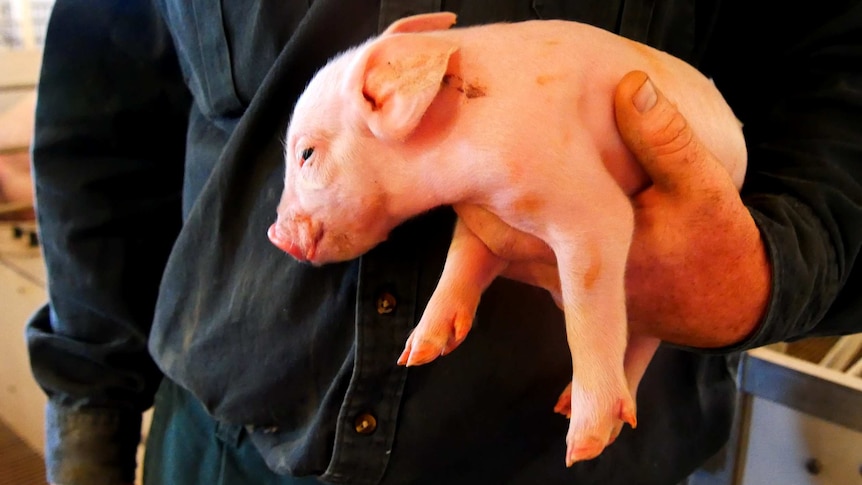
x,y
697,272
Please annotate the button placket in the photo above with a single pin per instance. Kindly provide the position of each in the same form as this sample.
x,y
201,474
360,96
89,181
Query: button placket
x,y
367,419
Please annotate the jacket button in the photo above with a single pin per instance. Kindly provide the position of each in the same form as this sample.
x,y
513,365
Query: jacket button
x,y
386,304
365,423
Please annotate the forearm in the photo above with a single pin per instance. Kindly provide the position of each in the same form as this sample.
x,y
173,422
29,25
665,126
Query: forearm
x,y
107,163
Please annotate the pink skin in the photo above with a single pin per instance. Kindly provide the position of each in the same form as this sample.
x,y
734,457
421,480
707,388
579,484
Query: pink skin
x,y
425,116
300,248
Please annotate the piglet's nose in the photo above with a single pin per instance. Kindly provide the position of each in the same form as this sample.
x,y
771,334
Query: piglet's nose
x,y
284,242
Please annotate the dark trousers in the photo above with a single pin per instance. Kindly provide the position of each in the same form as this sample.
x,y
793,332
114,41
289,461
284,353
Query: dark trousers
x,y
186,446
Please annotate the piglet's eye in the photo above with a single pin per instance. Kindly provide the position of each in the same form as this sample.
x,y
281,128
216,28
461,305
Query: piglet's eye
x,y
306,154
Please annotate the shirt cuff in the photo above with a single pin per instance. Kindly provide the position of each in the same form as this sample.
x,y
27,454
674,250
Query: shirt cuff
x,y
90,446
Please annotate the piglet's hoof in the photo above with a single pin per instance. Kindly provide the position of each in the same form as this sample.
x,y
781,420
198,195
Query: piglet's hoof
x,y
590,432
435,336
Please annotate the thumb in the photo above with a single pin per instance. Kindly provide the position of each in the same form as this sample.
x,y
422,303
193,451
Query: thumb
x,y
660,137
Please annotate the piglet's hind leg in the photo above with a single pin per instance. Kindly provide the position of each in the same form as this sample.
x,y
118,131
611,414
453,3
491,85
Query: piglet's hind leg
x,y
592,246
594,304
639,353
470,267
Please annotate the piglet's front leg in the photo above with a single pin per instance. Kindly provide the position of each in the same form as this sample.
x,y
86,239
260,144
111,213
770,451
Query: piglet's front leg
x,y
470,267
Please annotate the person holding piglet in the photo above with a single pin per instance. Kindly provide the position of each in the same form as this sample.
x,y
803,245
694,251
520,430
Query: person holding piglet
x,y
158,164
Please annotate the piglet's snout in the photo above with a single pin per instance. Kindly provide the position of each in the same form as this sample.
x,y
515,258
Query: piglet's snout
x,y
283,241
297,236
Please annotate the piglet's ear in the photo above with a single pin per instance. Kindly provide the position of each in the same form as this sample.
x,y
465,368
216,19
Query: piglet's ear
x,y
399,77
422,23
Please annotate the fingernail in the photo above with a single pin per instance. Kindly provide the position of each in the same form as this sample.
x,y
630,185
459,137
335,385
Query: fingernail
x,y
646,97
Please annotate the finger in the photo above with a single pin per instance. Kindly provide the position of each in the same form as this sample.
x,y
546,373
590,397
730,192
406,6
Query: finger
x,y
502,239
661,138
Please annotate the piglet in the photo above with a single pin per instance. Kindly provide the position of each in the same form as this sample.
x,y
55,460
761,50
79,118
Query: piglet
x,y
515,118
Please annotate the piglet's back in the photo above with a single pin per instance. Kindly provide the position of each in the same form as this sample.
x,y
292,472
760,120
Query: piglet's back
x,y
551,70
